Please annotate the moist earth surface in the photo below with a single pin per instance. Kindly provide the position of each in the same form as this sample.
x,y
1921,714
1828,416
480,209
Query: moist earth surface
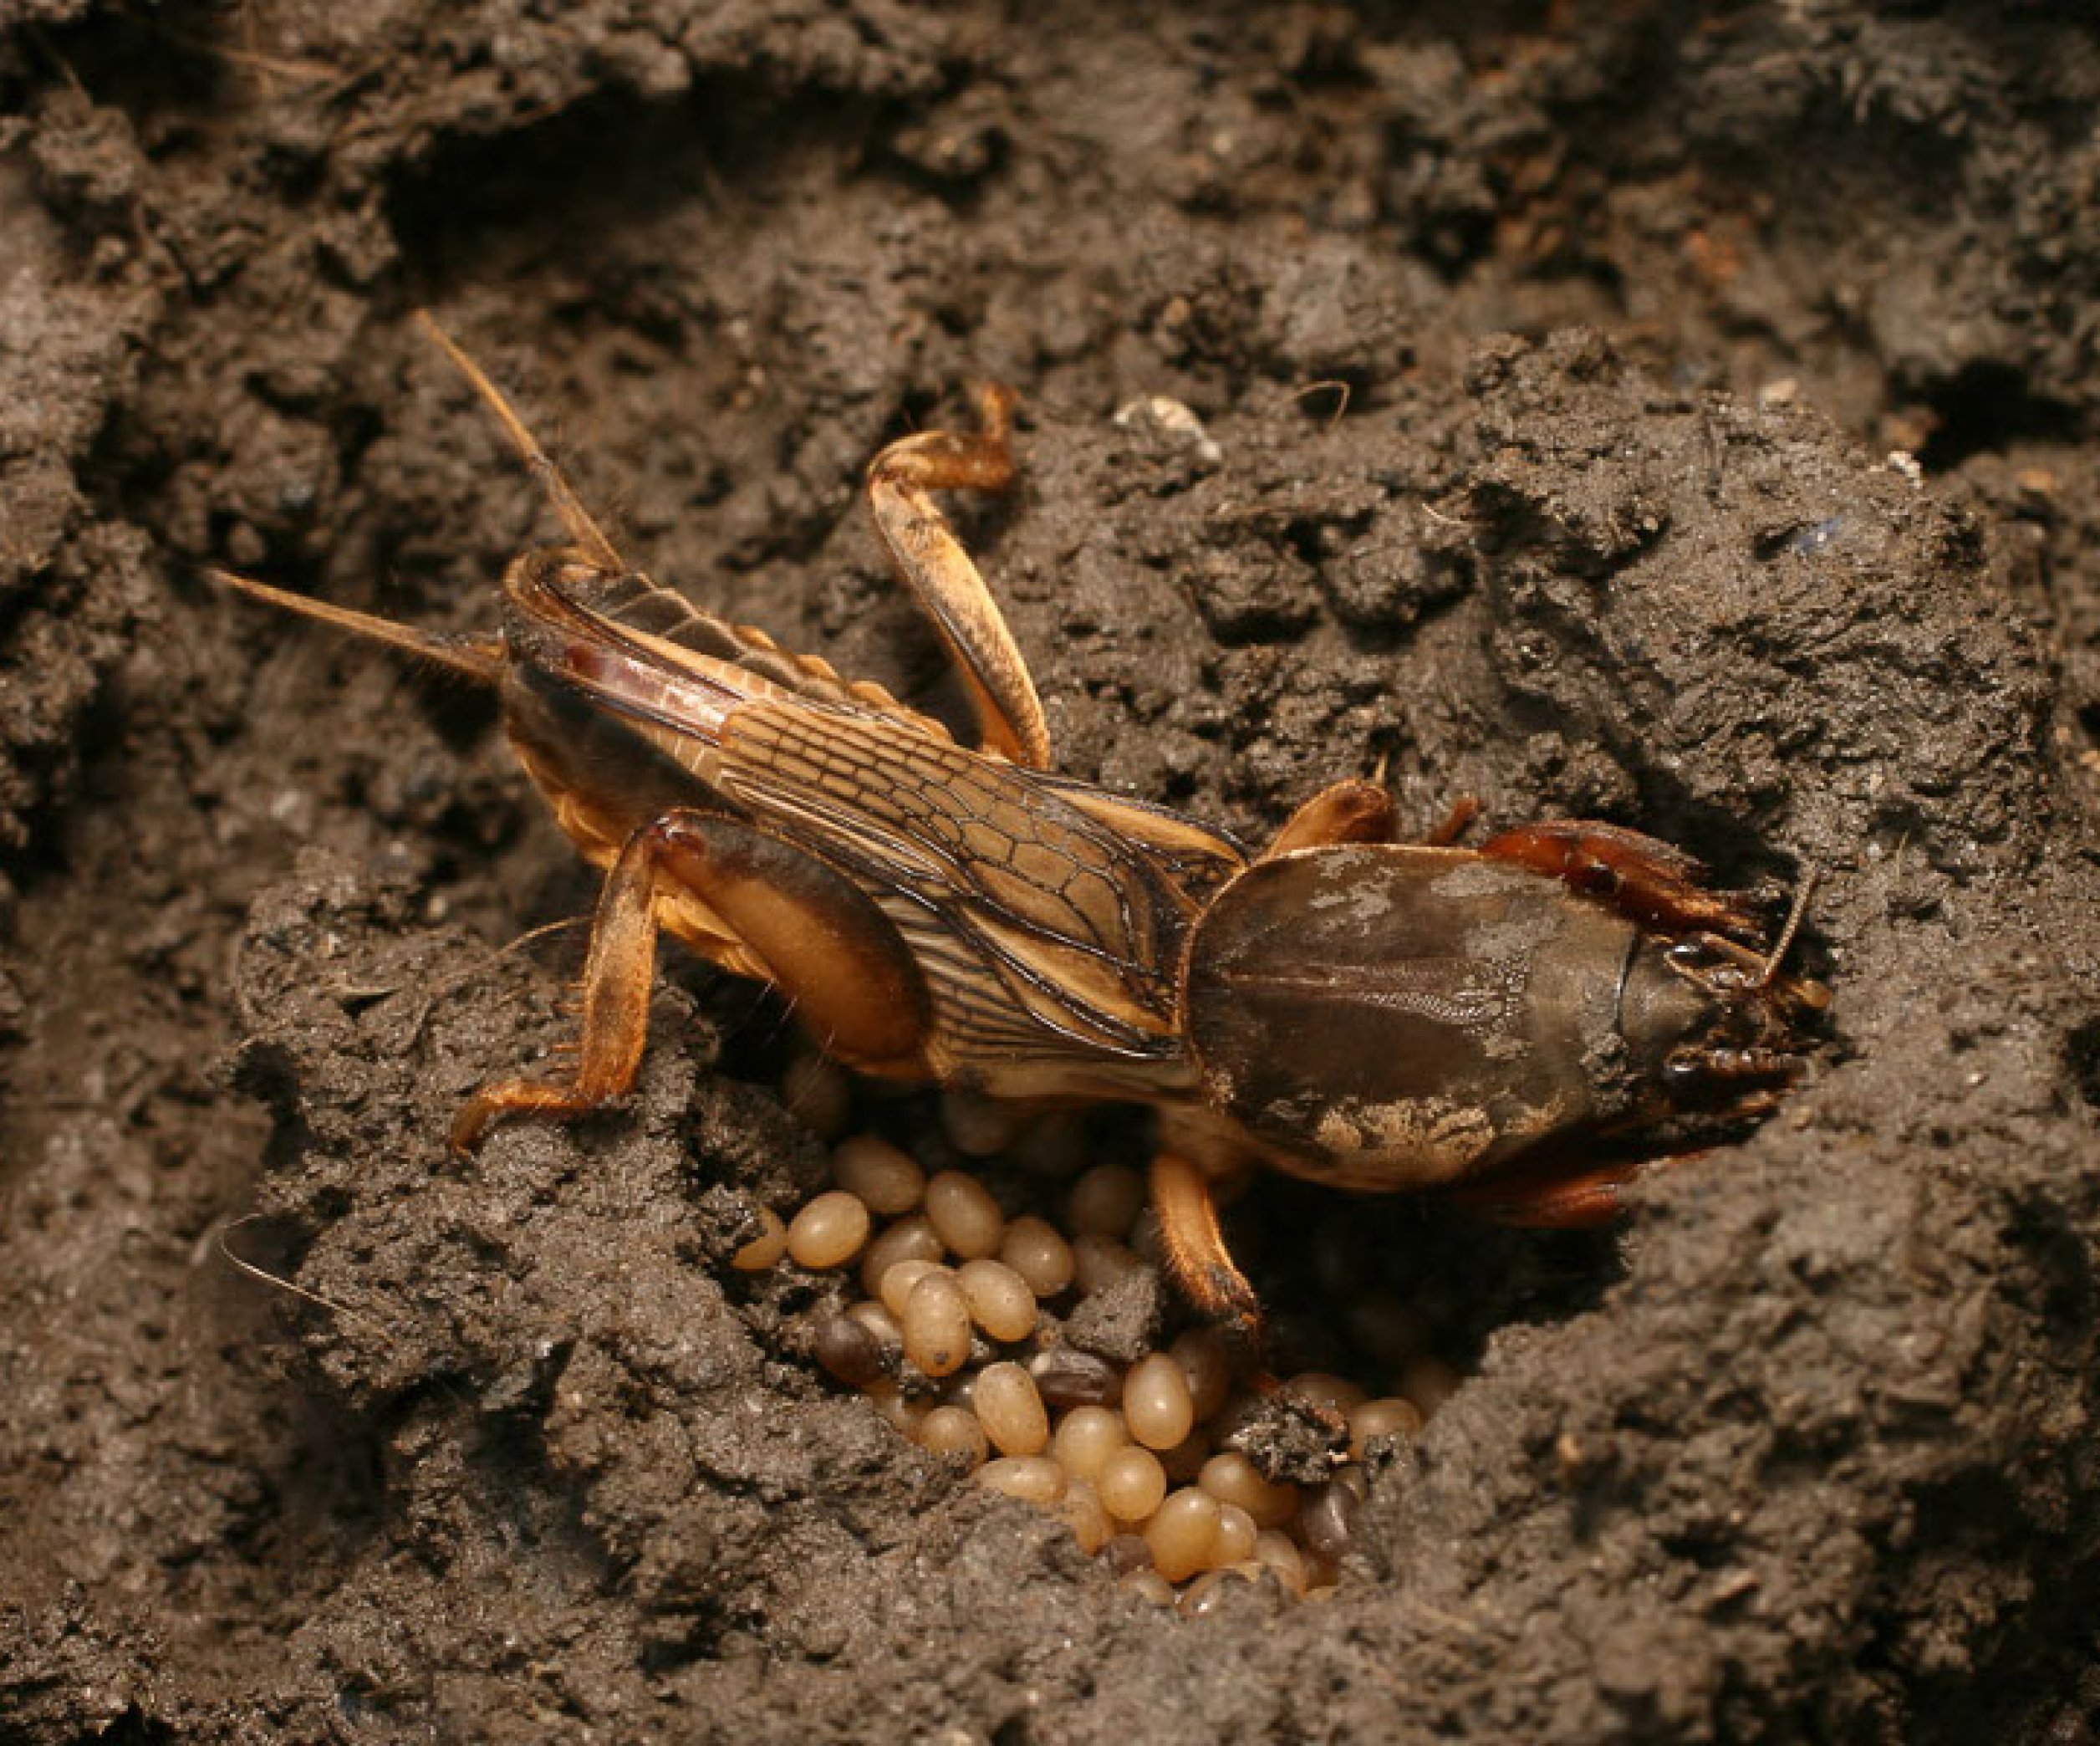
x,y
1672,414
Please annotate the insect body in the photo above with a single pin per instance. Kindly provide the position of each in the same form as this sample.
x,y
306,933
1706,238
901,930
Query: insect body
x,y
1340,1006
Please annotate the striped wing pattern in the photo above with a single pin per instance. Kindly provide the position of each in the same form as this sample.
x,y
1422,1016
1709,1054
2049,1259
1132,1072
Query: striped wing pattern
x,y
1047,917
1031,917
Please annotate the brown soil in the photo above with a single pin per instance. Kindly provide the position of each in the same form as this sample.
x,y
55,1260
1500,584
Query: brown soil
x,y
1807,1453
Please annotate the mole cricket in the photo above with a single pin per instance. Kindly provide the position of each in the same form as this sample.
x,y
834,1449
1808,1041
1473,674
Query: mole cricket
x,y
1378,1015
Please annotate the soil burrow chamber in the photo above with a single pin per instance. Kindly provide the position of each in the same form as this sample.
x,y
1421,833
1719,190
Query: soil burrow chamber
x,y
1675,416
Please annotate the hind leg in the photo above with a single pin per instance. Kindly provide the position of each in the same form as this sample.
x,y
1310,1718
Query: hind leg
x,y
1347,812
933,565
786,916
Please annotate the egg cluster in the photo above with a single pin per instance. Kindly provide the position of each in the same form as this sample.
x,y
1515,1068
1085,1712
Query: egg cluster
x,y
959,1340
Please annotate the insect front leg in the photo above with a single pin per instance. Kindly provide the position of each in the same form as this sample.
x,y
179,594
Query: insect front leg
x,y
1645,880
933,565
1555,1195
1355,811
1195,1247
803,924
1358,811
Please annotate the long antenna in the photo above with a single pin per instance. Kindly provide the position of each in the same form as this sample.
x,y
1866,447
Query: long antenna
x,y
1784,944
478,658
575,518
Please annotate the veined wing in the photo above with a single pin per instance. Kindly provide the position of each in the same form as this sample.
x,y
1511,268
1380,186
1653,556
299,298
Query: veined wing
x,y
1041,909
647,651
1082,924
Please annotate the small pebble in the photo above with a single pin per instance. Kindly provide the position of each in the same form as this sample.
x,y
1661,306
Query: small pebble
x,y
829,1231
885,1177
965,1215
936,1325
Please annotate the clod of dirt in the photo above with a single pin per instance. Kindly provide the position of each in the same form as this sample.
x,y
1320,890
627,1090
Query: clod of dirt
x,y
1123,1322
1773,536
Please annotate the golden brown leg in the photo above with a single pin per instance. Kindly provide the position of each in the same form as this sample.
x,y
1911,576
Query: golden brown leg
x,y
938,573
1464,810
1554,1196
1349,812
1195,1251
1646,880
822,941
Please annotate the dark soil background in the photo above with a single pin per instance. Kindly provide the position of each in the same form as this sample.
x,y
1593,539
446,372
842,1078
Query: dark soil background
x,y
1716,456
